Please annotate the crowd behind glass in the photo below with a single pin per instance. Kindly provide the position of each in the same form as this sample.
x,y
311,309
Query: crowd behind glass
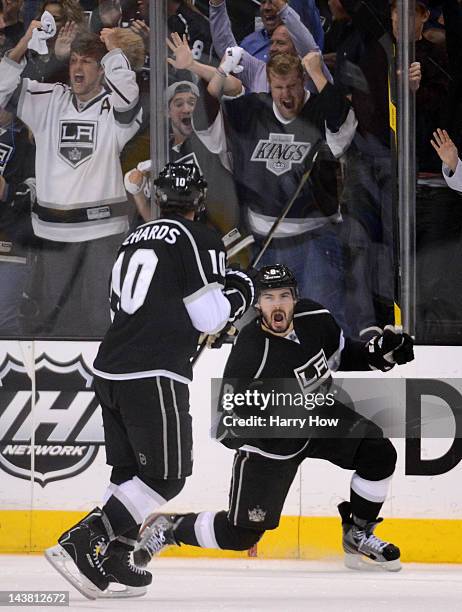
x,y
266,98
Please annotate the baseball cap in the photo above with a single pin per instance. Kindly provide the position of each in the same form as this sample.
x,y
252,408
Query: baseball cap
x,y
182,87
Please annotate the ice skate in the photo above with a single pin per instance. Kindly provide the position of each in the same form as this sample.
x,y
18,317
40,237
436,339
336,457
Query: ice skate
x,y
83,548
364,550
156,534
126,580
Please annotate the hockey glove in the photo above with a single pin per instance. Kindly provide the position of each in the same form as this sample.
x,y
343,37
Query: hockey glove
x,y
229,332
231,60
240,291
134,181
390,348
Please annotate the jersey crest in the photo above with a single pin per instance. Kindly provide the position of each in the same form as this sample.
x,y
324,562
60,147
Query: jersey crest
x,y
312,373
190,158
279,152
5,155
77,141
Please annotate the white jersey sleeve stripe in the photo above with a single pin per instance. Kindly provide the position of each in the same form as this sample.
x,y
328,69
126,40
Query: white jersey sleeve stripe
x,y
210,311
334,360
312,312
263,361
197,294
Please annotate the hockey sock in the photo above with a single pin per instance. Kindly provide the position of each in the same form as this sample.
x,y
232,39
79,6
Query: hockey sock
x,y
183,530
375,463
367,496
129,538
129,503
213,530
196,530
119,517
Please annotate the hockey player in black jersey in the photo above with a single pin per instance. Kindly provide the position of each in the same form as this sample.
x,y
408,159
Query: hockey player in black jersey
x,y
168,285
292,337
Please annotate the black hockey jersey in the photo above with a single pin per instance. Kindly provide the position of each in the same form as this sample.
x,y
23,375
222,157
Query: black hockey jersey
x,y
270,156
17,156
161,269
320,348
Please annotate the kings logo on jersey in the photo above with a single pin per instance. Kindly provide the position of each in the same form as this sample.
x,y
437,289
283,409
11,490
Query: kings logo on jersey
x,y
77,141
279,152
5,155
313,373
66,419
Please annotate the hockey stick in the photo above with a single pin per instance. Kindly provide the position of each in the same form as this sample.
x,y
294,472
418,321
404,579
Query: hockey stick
x,y
273,230
286,210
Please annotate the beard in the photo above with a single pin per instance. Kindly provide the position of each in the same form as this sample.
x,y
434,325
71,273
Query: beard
x,y
278,322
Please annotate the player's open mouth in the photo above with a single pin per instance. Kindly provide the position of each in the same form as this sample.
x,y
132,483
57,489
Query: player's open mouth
x,y
289,105
278,317
187,121
78,78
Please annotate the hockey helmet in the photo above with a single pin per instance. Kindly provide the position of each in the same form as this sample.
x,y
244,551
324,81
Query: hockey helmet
x,y
277,276
181,186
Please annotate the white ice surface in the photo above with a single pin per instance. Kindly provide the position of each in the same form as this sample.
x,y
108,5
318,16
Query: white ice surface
x,y
254,584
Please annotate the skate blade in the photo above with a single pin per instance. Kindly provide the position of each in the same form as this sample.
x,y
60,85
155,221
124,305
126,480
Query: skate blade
x,y
121,591
59,559
362,563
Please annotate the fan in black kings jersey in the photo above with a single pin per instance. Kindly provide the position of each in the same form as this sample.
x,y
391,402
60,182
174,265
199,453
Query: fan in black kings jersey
x,y
169,284
297,338
276,138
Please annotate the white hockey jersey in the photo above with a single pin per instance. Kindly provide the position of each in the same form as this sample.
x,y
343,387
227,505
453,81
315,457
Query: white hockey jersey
x,y
80,190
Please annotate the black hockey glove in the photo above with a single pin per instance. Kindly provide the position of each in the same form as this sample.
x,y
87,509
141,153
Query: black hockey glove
x,y
240,291
390,348
229,332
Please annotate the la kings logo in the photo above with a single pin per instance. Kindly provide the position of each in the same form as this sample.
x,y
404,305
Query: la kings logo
x,y
5,154
279,152
77,141
66,419
190,158
313,373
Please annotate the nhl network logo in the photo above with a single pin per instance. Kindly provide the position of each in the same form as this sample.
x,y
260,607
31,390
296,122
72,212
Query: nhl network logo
x,y
66,420
280,152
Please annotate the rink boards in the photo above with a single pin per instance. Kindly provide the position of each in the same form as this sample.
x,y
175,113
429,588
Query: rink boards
x,y
422,512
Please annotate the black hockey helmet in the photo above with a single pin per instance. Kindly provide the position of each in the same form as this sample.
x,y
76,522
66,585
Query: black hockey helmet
x,y
277,276
181,186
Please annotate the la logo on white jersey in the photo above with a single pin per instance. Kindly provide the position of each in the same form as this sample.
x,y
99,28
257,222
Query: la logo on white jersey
x,y
77,141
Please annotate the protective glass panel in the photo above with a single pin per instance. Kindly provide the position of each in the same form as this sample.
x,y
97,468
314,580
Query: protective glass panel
x,y
75,117
439,183
64,152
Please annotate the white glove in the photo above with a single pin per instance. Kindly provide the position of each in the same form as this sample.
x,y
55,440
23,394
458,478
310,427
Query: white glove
x,y
145,166
231,60
133,187
39,37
